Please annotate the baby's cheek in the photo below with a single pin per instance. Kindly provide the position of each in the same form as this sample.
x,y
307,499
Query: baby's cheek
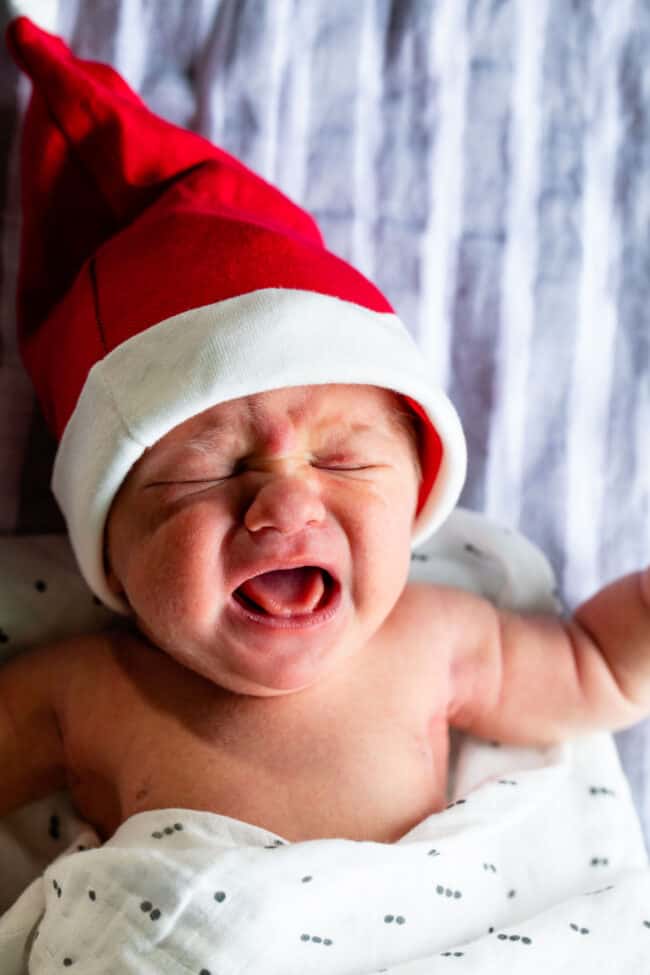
x,y
180,581
382,556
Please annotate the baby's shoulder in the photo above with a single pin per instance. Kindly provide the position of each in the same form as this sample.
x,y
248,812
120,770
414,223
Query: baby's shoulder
x,y
111,657
422,634
431,604
57,659
434,615
71,669
413,621
41,680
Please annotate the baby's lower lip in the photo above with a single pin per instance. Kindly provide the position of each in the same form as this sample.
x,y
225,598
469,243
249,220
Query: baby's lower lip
x,y
299,621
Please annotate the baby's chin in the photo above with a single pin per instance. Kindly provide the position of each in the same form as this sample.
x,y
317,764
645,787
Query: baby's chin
x,y
273,677
243,671
246,652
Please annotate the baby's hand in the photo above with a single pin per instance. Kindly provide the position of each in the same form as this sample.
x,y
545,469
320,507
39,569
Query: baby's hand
x,y
618,620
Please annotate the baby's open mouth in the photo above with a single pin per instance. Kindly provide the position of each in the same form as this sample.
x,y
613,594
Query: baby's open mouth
x,y
287,593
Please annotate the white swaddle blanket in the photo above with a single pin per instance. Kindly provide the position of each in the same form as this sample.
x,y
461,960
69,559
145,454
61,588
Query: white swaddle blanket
x,y
537,865
537,869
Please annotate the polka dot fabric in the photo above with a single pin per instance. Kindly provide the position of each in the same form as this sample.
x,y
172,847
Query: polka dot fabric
x,y
538,866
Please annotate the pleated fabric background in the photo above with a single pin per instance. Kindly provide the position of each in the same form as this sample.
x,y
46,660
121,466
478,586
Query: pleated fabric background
x,y
484,161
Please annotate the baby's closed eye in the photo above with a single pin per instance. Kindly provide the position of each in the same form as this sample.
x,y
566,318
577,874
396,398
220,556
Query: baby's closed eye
x,y
342,462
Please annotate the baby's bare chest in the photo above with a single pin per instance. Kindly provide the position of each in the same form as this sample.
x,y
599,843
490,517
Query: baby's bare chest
x,y
366,759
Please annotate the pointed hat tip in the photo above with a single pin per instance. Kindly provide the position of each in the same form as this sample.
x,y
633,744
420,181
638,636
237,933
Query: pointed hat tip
x,y
25,41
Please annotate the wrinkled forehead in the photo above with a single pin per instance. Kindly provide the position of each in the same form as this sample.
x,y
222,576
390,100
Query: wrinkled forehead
x,y
352,406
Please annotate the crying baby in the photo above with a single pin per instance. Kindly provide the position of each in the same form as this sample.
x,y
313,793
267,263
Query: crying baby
x,y
278,667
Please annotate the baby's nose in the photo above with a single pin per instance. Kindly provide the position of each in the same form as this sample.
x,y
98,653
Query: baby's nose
x,y
287,503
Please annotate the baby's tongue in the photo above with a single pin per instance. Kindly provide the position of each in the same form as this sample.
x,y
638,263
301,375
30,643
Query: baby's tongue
x,y
286,592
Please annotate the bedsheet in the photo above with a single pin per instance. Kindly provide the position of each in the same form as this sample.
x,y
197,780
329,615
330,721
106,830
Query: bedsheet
x,y
486,162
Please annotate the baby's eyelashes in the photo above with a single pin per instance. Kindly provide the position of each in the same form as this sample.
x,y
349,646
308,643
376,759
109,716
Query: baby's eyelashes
x,y
169,491
189,481
336,466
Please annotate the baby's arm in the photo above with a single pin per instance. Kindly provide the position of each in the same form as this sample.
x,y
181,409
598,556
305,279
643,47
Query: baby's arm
x,y
31,747
536,679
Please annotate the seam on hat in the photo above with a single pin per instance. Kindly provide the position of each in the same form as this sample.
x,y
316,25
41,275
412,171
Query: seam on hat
x,y
92,270
118,412
83,103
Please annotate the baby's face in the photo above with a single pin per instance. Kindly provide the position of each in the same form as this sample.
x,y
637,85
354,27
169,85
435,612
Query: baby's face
x,y
264,541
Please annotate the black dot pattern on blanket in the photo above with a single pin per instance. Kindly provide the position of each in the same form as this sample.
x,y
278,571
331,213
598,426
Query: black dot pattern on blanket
x,y
515,937
316,939
146,906
220,896
448,892
473,550
459,802
167,831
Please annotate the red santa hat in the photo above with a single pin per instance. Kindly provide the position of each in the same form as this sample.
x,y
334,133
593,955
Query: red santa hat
x,y
159,276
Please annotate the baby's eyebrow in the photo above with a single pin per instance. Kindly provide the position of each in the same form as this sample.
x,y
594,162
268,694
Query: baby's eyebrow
x,y
332,436
206,443
209,441
201,444
338,435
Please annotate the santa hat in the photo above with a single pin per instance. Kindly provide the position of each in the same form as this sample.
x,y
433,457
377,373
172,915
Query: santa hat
x,y
159,276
